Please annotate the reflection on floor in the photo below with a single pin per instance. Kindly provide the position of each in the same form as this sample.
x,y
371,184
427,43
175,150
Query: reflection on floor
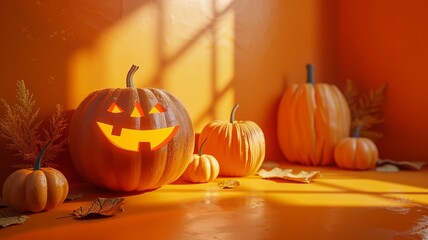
x,y
339,205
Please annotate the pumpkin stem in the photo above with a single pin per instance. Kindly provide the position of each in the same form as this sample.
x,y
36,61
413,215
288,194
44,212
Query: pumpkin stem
x,y
310,73
130,75
200,148
232,114
358,130
39,158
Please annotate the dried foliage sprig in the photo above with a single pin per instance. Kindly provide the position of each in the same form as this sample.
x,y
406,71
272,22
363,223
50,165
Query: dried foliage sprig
x,y
365,110
57,126
20,126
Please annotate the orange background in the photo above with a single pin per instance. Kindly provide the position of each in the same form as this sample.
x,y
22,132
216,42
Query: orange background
x,y
387,41
213,54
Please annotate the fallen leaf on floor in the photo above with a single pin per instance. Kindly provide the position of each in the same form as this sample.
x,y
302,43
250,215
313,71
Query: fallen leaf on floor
x,y
406,165
100,207
387,167
74,196
11,219
287,174
229,184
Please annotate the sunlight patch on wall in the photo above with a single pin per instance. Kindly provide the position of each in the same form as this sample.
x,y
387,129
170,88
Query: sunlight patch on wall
x,y
185,47
203,75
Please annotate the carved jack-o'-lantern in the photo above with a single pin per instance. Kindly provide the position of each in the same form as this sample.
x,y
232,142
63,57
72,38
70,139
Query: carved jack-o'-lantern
x,y
131,138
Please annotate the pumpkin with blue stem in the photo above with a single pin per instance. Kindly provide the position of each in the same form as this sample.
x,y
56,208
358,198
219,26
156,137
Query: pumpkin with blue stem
x,y
35,189
131,139
312,119
356,153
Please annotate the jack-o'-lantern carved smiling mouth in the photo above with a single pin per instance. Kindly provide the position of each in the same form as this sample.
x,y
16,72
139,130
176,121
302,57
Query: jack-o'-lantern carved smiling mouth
x,y
130,139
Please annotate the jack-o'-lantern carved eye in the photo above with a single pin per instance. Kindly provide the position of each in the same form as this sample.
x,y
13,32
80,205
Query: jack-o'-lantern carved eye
x,y
114,108
157,109
138,111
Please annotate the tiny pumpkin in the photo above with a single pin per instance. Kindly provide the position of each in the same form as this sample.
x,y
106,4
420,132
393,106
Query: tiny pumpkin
x,y
202,168
35,189
312,119
356,153
239,146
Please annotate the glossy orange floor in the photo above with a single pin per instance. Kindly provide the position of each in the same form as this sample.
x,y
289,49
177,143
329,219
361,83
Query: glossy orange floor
x,y
339,205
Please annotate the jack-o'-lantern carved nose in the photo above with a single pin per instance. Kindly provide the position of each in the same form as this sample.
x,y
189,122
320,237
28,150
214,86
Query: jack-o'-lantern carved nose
x,y
138,111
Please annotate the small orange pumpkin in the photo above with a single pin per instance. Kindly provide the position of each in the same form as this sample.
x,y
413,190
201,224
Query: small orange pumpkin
x,y
202,168
239,146
356,153
35,189
312,119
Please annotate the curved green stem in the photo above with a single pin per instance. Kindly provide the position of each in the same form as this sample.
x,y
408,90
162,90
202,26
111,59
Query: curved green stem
x,y
39,158
310,73
130,76
200,148
232,114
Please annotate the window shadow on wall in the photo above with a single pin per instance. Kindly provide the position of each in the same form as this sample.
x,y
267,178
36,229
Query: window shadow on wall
x,y
40,37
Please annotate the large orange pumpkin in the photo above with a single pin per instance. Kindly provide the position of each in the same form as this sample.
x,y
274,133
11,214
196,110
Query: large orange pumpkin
x,y
35,189
238,146
131,138
312,119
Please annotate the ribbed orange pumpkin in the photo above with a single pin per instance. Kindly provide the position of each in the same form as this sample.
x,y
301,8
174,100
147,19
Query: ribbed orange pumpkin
x,y
239,146
202,168
35,189
356,153
131,139
312,119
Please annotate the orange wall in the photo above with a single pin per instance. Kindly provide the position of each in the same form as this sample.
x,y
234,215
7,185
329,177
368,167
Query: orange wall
x,y
386,41
210,54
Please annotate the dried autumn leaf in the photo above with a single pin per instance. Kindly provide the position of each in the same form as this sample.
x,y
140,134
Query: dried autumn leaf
x,y
387,168
100,207
287,174
10,219
365,109
402,164
351,94
229,184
